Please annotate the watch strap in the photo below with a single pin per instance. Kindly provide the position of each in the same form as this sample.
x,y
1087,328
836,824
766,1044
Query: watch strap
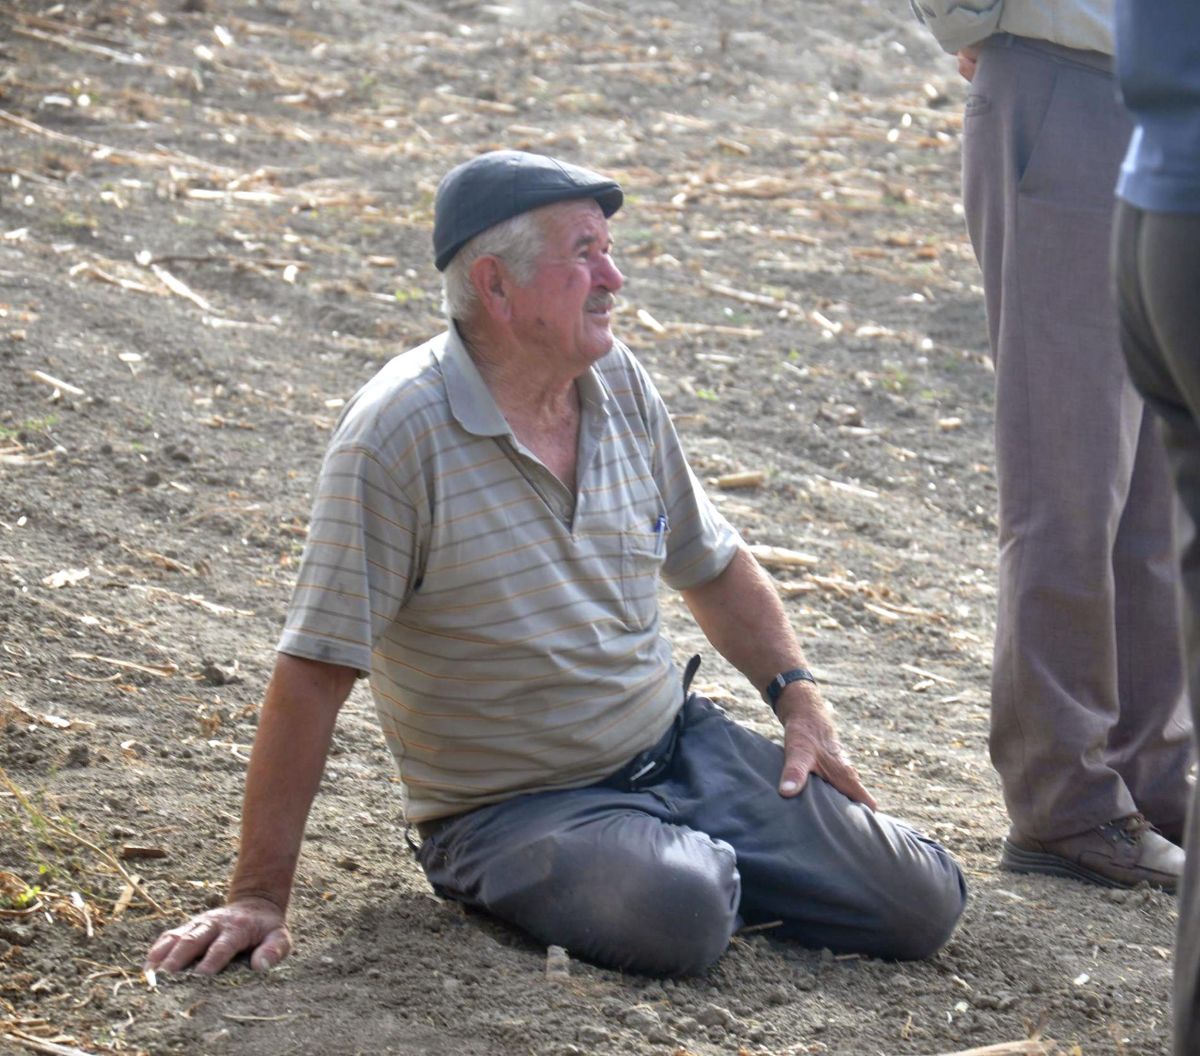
x,y
785,678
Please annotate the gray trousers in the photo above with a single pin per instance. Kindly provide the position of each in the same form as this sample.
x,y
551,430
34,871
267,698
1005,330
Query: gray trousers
x,y
1089,720
1157,270
654,869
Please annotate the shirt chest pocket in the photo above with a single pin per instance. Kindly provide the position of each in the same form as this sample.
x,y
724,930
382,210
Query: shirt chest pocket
x,y
643,548
626,507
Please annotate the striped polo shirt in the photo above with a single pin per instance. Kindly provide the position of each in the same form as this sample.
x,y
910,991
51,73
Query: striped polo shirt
x,y
510,629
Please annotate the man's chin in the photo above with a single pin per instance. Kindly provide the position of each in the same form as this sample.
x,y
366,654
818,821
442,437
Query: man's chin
x,y
600,344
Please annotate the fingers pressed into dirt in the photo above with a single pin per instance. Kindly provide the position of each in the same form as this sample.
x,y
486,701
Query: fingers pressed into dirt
x,y
214,938
273,949
177,948
223,949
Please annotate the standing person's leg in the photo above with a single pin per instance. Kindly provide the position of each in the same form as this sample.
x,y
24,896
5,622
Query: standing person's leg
x,y
1151,744
1043,137
1157,270
833,872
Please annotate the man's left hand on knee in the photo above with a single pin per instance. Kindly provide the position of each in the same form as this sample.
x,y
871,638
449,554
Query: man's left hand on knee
x,y
810,746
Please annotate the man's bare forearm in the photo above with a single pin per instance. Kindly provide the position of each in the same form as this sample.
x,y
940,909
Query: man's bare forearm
x,y
295,730
741,615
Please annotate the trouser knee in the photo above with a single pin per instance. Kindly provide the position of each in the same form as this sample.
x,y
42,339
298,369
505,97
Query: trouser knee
x,y
695,916
658,910
922,915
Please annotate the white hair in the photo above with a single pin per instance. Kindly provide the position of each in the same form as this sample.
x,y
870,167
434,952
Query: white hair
x,y
516,241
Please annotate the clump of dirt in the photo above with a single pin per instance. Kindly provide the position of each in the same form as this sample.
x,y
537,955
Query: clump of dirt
x,y
214,226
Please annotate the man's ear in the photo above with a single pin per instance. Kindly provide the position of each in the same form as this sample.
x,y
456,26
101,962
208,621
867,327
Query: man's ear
x,y
493,286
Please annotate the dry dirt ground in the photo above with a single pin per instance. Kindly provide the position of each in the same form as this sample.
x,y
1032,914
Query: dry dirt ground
x,y
214,226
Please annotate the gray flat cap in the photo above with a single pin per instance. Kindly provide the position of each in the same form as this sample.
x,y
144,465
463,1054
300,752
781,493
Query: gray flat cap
x,y
493,187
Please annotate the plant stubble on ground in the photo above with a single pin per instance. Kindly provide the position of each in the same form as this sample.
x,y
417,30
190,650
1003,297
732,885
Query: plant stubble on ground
x,y
214,226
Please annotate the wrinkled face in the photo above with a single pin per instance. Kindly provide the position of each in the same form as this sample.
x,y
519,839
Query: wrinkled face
x,y
566,308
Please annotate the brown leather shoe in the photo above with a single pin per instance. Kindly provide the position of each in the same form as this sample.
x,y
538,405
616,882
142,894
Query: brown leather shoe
x,y
1121,853
1174,832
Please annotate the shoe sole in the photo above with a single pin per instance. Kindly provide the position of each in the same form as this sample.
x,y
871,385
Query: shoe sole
x,y
1018,860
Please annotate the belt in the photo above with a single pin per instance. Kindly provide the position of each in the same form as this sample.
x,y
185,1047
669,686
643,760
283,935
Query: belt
x,y
425,829
648,766
1093,60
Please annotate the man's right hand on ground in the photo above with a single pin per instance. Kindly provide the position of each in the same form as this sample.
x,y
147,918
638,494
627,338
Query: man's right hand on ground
x,y
294,732
216,937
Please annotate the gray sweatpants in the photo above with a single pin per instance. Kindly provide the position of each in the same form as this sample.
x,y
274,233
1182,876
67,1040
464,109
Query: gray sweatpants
x,y
1089,719
655,868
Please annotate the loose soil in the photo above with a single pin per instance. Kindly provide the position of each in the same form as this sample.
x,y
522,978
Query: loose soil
x,y
214,226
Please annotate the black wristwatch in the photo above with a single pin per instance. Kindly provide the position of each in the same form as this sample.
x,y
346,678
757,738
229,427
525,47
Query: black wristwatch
x,y
776,685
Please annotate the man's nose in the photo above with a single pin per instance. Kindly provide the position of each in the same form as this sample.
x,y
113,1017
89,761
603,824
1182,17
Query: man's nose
x,y
609,276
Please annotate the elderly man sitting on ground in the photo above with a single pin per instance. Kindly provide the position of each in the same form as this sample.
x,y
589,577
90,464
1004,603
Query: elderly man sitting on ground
x,y
492,519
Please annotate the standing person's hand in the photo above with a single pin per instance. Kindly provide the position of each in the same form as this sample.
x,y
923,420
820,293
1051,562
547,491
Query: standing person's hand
x,y
214,938
967,58
810,746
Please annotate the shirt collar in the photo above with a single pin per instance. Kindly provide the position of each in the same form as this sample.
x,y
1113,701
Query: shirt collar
x,y
471,401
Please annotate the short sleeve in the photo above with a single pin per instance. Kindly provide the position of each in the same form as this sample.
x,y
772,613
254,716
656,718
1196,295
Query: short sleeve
x,y
359,564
